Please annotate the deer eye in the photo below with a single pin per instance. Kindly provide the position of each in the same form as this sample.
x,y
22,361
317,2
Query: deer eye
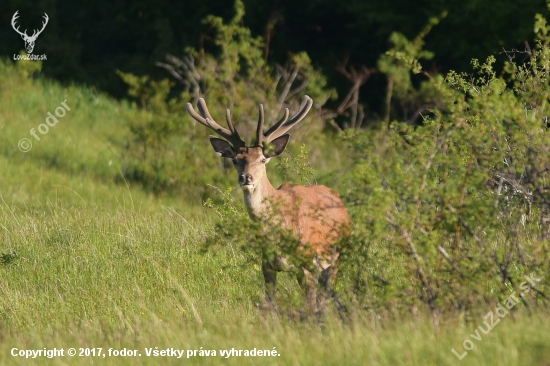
x,y
264,161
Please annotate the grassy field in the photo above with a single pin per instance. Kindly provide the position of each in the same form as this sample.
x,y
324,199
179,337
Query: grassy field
x,y
84,278
89,261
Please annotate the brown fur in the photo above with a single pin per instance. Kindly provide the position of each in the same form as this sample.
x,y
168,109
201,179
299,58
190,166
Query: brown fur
x,y
315,214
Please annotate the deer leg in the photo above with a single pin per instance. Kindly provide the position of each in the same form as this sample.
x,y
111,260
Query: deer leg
x,y
327,277
270,279
308,282
326,280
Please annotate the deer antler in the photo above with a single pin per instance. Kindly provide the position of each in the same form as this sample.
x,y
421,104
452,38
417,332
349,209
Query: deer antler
x,y
282,126
24,34
232,135
43,26
206,119
13,19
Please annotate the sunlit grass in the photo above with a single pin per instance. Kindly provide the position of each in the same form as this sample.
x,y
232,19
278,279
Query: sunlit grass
x,y
88,260
87,278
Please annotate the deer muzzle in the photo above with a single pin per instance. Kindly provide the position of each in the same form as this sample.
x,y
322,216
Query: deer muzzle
x,y
246,180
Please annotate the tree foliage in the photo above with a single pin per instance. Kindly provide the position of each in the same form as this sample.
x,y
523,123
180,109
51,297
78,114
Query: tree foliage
x,y
233,76
462,201
88,43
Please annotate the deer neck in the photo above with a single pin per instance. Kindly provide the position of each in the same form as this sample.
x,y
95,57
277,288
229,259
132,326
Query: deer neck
x,y
257,200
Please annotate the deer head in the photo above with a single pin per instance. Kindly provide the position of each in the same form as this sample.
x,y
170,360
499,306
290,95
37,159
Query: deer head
x,y
29,40
250,161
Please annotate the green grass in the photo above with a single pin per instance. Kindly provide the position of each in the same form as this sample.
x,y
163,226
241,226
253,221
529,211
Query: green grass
x,y
88,260
86,278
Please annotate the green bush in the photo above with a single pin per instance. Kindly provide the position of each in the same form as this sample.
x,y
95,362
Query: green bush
x,y
452,214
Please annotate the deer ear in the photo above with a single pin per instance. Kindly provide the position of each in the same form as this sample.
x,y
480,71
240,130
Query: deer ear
x,y
277,146
222,147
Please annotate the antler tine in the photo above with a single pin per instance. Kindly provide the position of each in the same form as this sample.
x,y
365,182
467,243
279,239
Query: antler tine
x,y
282,128
236,137
260,128
228,119
13,20
278,124
207,120
203,109
45,16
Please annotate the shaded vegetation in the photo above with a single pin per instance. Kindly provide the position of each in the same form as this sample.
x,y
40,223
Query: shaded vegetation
x,y
104,236
89,42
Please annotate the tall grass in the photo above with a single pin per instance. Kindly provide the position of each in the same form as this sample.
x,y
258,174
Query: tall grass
x,y
87,278
90,260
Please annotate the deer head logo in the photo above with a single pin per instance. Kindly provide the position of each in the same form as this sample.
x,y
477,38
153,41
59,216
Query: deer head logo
x,y
29,40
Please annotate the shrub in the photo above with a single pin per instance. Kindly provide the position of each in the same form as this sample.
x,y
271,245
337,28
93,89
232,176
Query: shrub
x,y
453,213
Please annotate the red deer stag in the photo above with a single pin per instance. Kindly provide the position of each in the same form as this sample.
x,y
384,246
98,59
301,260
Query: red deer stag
x,y
315,214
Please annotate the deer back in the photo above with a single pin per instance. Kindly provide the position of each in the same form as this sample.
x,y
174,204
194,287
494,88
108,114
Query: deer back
x,y
316,214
